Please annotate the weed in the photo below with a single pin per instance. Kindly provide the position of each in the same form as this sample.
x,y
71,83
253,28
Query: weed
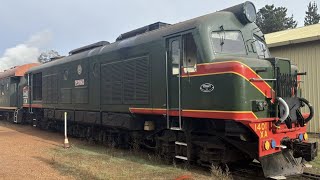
x,y
53,159
218,173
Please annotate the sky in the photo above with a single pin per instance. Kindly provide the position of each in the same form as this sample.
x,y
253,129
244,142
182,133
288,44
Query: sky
x,y
33,26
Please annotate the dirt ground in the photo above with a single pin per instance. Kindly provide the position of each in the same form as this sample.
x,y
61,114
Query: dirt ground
x,y
30,153
24,153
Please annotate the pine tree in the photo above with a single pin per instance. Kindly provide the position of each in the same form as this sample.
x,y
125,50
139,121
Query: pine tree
x,y
312,16
271,19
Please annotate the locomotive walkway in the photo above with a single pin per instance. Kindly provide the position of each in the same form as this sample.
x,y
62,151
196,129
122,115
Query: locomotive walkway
x,y
24,155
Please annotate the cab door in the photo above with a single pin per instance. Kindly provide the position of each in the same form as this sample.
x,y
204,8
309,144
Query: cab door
x,y
182,58
174,61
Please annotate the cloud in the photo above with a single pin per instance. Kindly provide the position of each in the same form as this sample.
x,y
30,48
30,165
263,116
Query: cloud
x,y
26,52
40,39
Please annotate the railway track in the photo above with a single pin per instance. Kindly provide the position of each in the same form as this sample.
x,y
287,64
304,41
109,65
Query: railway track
x,y
250,171
254,171
310,175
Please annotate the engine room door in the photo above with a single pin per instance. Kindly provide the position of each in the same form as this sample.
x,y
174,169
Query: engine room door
x,y
173,61
13,94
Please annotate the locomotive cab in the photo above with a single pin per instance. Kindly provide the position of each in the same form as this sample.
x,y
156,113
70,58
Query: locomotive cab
x,y
235,78
285,135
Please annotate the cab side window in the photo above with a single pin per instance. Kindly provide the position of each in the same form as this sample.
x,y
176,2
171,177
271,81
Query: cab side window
x,y
37,86
175,56
190,58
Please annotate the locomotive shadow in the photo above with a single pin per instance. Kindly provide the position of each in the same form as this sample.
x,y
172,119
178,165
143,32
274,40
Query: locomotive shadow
x,y
65,169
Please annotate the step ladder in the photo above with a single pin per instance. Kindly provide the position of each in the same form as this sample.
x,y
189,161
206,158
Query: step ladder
x,y
177,127
15,115
34,122
179,144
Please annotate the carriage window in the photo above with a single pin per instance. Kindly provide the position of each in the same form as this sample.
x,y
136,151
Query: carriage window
x,y
175,56
228,42
37,86
2,89
190,54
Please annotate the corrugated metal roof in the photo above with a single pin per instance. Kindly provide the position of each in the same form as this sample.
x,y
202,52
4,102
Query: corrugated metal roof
x,y
293,36
17,70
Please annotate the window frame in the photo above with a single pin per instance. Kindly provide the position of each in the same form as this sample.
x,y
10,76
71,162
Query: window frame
x,y
174,69
259,40
228,53
37,86
193,68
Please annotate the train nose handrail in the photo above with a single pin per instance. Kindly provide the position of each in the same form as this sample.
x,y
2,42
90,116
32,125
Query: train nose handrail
x,y
286,111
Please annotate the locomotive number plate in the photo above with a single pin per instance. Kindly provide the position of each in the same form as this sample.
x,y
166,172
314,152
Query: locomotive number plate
x,y
262,129
79,82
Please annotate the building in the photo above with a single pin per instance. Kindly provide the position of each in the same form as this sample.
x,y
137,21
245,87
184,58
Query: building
x,y
302,46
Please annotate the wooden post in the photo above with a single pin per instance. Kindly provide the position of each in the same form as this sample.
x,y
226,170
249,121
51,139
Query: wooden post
x,y
66,141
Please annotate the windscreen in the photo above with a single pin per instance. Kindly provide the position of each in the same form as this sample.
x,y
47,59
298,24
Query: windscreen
x,y
228,42
261,47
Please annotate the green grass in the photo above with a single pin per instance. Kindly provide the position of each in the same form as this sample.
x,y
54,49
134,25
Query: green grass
x,y
84,161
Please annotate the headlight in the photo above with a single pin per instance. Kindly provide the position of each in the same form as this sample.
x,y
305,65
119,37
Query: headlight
x,y
249,10
245,12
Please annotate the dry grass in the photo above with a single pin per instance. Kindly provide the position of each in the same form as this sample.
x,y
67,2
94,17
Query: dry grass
x,y
84,161
218,173
88,161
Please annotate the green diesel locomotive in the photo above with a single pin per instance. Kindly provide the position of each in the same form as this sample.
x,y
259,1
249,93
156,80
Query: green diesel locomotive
x,y
206,91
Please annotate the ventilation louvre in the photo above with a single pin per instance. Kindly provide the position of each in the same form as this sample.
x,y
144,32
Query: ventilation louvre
x,y
126,82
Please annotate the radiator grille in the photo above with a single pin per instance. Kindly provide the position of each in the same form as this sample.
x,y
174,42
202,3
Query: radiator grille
x,y
286,85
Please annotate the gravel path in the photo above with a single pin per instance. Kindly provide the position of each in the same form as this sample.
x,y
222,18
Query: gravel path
x,y
25,153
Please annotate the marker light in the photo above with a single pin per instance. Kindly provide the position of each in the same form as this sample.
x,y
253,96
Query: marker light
x,y
301,137
273,144
305,136
267,145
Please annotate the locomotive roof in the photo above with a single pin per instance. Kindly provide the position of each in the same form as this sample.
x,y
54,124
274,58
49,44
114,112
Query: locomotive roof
x,y
17,70
199,22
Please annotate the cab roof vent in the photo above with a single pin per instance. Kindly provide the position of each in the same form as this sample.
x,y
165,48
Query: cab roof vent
x,y
88,47
142,30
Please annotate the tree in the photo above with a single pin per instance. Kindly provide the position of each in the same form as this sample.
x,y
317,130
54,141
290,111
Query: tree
x,y
272,19
48,56
312,16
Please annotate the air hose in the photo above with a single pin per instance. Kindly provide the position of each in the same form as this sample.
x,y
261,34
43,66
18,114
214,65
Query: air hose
x,y
310,109
287,111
